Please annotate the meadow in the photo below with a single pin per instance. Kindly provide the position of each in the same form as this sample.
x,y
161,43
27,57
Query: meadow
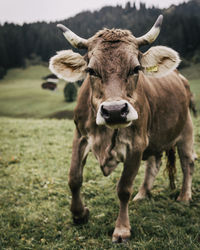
x,y
35,156
21,94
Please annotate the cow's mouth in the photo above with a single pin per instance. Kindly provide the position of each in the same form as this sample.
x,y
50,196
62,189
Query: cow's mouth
x,y
116,114
118,125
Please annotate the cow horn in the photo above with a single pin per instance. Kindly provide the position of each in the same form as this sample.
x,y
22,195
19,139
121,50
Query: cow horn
x,y
151,36
72,38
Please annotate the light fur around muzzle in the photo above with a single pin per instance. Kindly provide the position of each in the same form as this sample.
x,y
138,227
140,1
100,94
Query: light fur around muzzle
x,y
131,116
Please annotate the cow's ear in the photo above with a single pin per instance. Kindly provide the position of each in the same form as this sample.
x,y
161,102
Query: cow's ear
x,y
68,65
159,61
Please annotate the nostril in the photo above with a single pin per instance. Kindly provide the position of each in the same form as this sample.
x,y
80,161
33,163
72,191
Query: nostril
x,y
104,112
124,110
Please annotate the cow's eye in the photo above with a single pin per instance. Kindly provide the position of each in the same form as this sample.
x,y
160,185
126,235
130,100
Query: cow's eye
x,y
137,69
134,71
91,72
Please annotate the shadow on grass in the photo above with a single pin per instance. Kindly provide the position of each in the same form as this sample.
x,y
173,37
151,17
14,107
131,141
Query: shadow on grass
x,y
65,114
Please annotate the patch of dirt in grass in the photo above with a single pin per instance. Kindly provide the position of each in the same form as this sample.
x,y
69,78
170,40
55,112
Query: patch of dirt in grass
x,y
65,114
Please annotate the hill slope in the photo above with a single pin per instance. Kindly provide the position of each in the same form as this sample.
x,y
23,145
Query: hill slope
x,y
21,95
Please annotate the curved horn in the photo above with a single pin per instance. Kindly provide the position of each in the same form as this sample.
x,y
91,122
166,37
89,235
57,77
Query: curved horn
x,y
72,38
151,36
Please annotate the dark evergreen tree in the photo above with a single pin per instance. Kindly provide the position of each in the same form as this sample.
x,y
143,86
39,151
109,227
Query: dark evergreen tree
x,y
70,92
180,31
2,72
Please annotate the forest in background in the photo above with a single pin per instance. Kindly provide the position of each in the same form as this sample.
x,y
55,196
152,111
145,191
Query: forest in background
x,y
35,43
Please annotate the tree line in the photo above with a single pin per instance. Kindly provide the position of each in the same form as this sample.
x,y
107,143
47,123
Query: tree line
x,y
37,42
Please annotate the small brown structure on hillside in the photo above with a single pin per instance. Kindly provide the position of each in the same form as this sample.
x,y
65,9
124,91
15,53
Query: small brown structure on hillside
x,y
51,82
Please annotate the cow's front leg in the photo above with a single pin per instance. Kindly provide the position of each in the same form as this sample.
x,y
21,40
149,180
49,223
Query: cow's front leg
x,y
79,154
122,230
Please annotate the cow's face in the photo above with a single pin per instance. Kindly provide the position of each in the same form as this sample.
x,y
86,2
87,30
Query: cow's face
x,y
112,67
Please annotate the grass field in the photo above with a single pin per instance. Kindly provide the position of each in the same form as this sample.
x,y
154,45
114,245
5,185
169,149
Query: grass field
x,y
21,94
34,196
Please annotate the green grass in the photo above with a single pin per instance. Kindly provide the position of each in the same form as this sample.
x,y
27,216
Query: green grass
x,y
21,94
195,87
35,198
192,72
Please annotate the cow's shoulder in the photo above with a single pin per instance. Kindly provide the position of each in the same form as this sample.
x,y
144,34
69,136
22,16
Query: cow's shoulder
x,y
83,109
163,87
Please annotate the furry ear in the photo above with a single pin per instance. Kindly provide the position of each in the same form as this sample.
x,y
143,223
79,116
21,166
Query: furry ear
x,y
159,61
68,65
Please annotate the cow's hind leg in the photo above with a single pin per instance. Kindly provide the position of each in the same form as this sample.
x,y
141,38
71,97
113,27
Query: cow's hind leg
x,y
187,157
79,154
152,168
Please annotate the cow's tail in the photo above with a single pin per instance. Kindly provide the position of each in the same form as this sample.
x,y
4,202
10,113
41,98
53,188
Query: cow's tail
x,y
190,95
192,105
171,166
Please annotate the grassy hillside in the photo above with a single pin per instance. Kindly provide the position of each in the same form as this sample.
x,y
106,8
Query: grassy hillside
x,y
192,72
195,87
34,196
21,94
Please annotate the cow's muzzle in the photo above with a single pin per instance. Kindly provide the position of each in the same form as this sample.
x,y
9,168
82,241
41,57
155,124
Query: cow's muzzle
x,y
116,114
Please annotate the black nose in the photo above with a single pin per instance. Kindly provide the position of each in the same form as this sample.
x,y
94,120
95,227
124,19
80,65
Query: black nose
x,y
114,114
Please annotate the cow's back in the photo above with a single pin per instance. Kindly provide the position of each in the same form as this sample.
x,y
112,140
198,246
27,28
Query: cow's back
x,y
168,100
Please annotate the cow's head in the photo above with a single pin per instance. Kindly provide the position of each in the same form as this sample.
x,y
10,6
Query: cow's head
x,y
112,66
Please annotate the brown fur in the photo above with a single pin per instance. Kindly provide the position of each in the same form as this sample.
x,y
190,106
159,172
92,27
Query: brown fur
x,y
113,35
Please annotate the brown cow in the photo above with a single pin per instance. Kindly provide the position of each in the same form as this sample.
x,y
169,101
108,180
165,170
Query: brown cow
x,y
131,106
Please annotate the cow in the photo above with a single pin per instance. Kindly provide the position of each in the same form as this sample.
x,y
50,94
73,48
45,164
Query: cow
x,y
131,106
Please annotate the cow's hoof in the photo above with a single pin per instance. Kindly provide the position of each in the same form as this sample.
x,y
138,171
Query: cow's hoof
x,y
139,197
83,219
184,199
121,235
119,240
